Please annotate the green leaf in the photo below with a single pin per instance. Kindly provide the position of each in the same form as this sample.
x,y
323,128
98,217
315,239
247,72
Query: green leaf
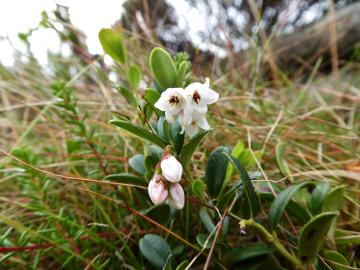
x,y
340,262
189,149
333,202
128,96
249,252
318,196
281,201
198,187
112,45
163,68
182,265
236,152
176,137
169,263
137,163
201,240
247,159
216,170
293,208
162,127
151,96
181,74
251,196
138,131
279,153
134,76
206,219
155,249
313,234
127,178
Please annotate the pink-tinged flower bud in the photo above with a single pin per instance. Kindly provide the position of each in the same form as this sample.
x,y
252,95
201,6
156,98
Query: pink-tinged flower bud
x,y
171,169
157,190
177,196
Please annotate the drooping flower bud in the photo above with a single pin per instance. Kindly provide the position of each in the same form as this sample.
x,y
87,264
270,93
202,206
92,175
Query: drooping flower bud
x,y
171,169
176,197
157,190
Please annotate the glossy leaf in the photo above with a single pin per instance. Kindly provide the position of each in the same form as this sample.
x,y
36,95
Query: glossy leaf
x,y
313,234
138,131
134,76
112,45
317,197
293,208
155,249
281,201
249,190
189,149
216,170
333,202
163,68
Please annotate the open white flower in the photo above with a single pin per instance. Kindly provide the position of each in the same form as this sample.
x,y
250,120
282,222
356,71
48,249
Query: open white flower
x,y
198,121
171,169
176,197
172,101
157,190
199,95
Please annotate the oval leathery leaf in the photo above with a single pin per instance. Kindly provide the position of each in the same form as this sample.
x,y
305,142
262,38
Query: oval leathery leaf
x,y
281,201
313,234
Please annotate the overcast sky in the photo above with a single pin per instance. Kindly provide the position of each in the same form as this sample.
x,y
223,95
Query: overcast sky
x,y
21,15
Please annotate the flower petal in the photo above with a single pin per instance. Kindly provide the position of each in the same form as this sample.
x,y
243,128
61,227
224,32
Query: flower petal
x,y
209,96
191,130
203,123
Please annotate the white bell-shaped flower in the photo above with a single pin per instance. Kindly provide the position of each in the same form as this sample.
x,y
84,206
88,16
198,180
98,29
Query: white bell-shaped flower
x,y
171,169
198,121
176,197
199,95
157,190
172,101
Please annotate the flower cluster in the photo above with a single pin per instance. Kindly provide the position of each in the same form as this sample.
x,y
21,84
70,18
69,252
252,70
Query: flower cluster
x,y
164,186
189,105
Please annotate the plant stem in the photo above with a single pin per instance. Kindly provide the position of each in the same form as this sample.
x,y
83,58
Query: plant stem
x,y
272,241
